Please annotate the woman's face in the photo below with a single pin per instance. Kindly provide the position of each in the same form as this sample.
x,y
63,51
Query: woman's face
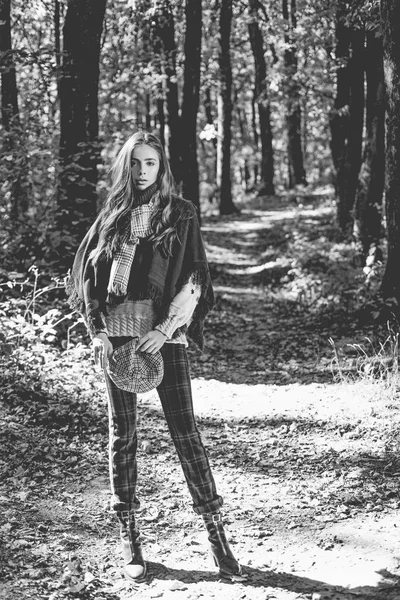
x,y
145,166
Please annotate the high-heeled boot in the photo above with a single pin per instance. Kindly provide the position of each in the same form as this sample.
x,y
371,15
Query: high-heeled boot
x,y
229,568
135,567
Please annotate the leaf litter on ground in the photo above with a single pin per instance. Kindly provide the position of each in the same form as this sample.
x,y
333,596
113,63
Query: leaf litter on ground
x,y
307,467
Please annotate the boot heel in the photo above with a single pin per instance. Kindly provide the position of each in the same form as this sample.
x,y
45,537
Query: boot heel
x,y
224,560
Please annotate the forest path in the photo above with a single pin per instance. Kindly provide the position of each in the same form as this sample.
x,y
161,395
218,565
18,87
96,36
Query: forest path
x,y
308,468
272,268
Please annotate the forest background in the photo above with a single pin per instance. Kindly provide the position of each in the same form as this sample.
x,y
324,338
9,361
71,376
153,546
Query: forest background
x,y
285,113
247,97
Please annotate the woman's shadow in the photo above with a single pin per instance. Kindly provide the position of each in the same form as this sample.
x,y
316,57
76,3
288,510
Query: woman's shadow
x,y
387,588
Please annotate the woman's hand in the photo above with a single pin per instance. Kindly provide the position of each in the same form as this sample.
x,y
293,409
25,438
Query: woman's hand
x,y
151,342
102,349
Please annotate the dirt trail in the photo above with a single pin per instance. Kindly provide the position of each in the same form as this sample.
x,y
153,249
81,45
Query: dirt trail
x,y
308,468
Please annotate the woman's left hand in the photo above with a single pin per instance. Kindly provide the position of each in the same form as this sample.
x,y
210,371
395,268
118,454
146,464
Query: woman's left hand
x,y
151,342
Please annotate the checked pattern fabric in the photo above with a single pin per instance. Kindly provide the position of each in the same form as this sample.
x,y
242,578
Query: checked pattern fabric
x,y
122,262
176,399
134,371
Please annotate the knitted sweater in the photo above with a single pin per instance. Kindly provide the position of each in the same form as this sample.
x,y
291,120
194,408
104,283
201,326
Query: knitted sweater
x,y
137,317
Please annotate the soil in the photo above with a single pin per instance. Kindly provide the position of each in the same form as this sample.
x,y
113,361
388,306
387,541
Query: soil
x,y
308,465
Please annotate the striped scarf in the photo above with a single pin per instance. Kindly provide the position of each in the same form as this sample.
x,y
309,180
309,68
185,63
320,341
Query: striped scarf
x,y
123,259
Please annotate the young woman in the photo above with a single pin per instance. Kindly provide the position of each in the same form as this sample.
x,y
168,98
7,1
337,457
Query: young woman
x,y
141,272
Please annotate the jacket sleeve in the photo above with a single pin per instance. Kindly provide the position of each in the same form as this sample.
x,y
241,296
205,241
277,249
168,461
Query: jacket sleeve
x,y
92,315
85,284
181,309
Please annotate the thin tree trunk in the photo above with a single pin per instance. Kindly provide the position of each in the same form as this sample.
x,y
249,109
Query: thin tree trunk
x,y
339,118
208,111
368,205
390,12
57,43
356,111
9,93
297,175
148,111
225,108
79,150
263,105
161,117
190,104
244,134
13,137
256,137
165,47
346,121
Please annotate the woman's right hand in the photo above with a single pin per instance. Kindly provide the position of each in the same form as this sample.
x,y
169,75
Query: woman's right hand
x,y
102,349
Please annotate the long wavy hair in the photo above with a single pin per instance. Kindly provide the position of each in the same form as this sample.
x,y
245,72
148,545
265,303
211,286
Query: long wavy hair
x,y
114,215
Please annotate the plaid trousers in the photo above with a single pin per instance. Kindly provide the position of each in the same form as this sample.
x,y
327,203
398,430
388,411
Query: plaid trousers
x,y
176,398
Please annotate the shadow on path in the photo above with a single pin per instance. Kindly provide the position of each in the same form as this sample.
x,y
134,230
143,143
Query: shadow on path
x,y
387,589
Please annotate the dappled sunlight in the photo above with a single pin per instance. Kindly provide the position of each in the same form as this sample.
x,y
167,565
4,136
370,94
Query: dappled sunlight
x,y
308,466
301,468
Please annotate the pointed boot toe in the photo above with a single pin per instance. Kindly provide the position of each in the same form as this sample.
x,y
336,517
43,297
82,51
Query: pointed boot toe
x,y
135,568
135,572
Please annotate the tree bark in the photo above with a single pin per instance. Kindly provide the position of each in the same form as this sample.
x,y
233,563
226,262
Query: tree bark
x,y
14,149
161,116
368,204
262,100
148,110
226,206
190,103
339,118
9,93
297,174
208,110
347,118
79,148
390,14
57,43
255,136
165,47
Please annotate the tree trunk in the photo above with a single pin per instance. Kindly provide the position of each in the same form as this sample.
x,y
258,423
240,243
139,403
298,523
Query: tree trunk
x,y
368,204
165,47
79,149
226,206
161,116
348,116
261,96
208,111
255,136
9,94
13,146
339,118
246,142
57,43
190,103
297,175
148,110
390,12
